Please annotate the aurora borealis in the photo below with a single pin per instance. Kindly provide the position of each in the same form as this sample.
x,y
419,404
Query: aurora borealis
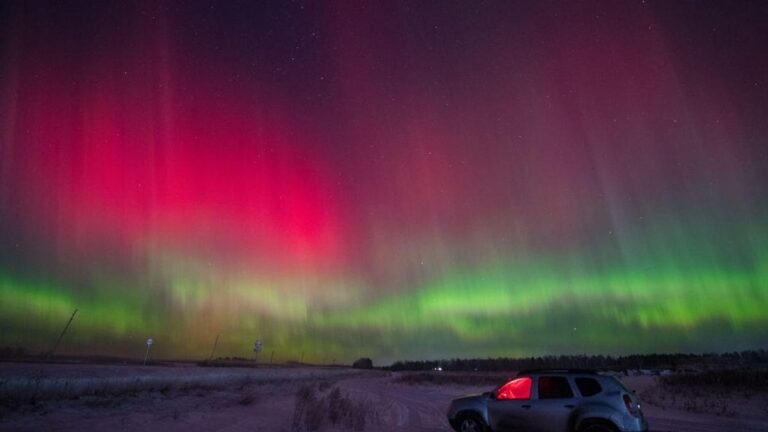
x,y
385,179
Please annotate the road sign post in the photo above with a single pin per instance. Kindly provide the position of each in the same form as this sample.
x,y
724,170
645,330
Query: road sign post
x,y
149,345
256,350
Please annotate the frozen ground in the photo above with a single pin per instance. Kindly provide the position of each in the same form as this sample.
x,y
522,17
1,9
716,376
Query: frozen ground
x,y
35,397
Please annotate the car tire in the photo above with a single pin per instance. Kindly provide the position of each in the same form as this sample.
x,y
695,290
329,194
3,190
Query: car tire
x,y
598,427
470,423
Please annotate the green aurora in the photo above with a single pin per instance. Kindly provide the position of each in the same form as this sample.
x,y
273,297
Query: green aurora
x,y
502,307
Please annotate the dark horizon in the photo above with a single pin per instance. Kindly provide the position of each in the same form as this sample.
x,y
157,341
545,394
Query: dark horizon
x,y
597,361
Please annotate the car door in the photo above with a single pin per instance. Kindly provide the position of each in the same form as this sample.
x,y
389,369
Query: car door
x,y
510,406
553,404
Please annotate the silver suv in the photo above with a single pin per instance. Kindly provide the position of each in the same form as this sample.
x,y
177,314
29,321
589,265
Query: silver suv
x,y
551,401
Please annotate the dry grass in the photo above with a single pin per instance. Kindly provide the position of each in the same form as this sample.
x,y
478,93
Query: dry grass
x,y
751,379
247,399
25,390
453,378
28,391
315,410
721,392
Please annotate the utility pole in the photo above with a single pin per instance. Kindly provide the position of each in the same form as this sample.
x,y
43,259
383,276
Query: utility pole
x,y
61,336
215,343
272,357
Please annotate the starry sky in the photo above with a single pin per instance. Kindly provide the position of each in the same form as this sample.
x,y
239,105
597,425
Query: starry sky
x,y
398,180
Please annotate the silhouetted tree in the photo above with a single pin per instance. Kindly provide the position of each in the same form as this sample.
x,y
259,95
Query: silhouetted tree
x,y
363,363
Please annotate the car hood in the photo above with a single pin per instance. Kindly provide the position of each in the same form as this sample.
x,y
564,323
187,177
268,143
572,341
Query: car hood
x,y
471,396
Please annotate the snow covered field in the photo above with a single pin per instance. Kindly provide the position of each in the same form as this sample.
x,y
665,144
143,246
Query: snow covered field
x,y
191,398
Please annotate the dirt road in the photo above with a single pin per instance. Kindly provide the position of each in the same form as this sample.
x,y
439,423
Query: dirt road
x,y
245,399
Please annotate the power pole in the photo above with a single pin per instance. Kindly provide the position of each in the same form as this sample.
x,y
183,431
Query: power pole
x,y
216,342
61,336
272,357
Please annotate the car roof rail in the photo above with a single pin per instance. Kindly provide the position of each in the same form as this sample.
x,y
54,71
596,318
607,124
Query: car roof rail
x,y
557,371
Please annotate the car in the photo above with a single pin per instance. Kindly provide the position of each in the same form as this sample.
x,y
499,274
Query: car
x,y
551,400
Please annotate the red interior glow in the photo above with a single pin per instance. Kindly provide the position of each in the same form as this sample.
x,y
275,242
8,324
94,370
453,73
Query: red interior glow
x,y
519,388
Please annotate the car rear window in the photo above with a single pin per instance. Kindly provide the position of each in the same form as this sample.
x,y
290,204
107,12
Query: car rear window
x,y
554,387
588,386
622,385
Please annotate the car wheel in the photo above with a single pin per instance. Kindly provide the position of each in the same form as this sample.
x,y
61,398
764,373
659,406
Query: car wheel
x,y
598,428
470,423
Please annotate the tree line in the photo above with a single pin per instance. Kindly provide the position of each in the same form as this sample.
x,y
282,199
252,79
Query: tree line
x,y
602,362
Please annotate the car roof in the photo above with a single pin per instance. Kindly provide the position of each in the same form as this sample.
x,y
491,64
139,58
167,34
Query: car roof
x,y
557,371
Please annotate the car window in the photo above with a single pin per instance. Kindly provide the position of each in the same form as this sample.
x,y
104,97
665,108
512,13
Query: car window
x,y
588,386
622,385
519,388
554,387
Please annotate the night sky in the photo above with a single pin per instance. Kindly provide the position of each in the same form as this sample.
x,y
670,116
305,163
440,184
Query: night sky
x,y
385,179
